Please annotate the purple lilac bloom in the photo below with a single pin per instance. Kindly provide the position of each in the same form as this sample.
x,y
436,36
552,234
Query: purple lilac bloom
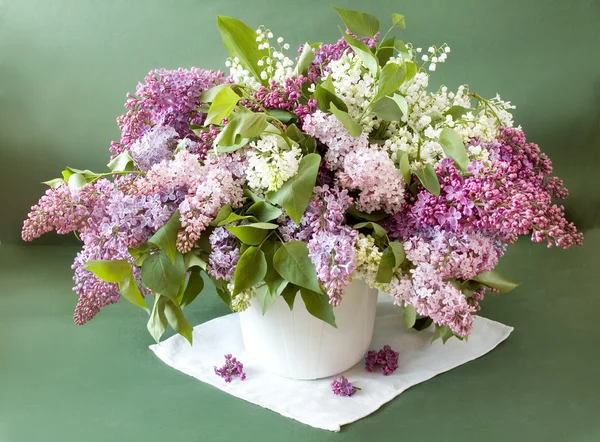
x,y
331,247
154,146
231,369
224,254
386,359
342,387
167,98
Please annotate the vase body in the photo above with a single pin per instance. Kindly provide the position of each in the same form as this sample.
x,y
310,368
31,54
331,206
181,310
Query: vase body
x,y
296,345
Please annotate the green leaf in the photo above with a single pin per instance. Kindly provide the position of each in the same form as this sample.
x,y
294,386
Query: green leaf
x,y
157,324
399,253
76,181
222,215
177,320
165,238
374,216
194,286
495,280
363,52
385,51
409,315
359,23
130,291
190,260
325,95
161,275
292,262
209,95
56,182
295,194
272,278
252,124
252,234
404,166
401,47
378,231
87,174
411,70
118,271
222,291
222,106
454,148
391,108
385,272
353,127
112,270
306,58
121,163
250,270
283,115
456,112
289,294
398,20
233,217
318,305
265,298
229,139
251,195
422,323
442,331
264,211
240,41
429,179
390,78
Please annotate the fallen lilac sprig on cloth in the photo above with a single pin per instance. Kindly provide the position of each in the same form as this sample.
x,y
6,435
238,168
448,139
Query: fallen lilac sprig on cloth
x,y
386,358
342,387
230,369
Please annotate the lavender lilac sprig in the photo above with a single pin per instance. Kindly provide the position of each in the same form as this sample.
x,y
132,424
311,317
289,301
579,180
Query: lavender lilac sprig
x,y
343,387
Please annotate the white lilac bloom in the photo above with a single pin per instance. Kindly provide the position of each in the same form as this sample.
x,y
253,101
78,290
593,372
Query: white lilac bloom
x,y
271,162
356,87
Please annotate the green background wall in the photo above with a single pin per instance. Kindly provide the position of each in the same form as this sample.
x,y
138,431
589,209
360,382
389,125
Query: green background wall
x,y
66,66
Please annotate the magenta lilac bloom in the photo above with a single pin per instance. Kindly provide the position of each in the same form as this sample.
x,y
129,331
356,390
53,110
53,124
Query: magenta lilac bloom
x,y
386,359
232,368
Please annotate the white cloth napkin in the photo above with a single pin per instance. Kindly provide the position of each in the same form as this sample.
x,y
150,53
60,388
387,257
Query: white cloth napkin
x,y
312,402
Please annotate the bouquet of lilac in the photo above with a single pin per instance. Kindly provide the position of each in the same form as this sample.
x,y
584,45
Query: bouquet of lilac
x,y
295,175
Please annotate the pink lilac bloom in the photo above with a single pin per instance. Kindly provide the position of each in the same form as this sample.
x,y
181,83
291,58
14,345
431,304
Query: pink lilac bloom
x,y
224,254
331,247
376,177
454,255
218,187
343,387
328,130
166,98
431,296
386,359
232,368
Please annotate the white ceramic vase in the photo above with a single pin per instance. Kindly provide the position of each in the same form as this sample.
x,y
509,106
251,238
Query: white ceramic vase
x,y
296,345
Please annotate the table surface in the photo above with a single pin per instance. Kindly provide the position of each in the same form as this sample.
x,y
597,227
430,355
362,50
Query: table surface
x,y
100,382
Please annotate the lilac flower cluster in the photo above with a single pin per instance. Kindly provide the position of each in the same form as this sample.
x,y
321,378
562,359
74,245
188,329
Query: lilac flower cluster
x,y
232,368
224,254
511,196
386,359
166,98
285,96
343,387
331,247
